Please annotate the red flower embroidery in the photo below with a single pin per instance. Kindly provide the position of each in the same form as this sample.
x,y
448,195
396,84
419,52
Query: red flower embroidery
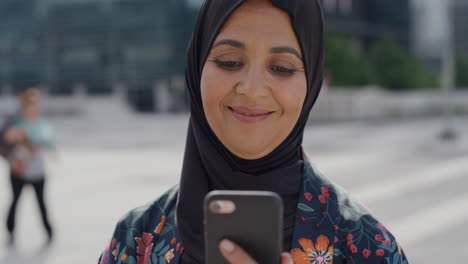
x,y
173,241
324,189
144,248
378,238
336,227
353,248
380,252
114,241
336,240
322,199
366,253
386,243
303,219
349,243
349,236
308,196
177,247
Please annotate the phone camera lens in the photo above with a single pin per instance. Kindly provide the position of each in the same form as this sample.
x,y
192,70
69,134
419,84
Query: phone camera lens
x,y
222,207
216,207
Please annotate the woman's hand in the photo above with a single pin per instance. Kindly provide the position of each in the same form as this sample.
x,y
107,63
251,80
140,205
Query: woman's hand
x,y
17,167
14,135
236,255
11,136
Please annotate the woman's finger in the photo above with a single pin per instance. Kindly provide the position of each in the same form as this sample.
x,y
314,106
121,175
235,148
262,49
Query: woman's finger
x,y
234,254
286,258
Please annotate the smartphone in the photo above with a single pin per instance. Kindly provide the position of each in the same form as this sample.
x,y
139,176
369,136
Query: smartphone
x,y
251,219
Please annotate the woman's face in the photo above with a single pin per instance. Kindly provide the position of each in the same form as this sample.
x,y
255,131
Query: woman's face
x,y
253,83
31,106
31,110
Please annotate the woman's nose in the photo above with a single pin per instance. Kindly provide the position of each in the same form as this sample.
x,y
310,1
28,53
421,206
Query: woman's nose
x,y
253,83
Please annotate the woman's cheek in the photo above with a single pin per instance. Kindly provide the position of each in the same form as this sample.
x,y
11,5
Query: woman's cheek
x,y
291,97
214,84
208,92
299,94
214,93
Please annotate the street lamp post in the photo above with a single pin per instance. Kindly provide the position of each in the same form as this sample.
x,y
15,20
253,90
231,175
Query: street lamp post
x,y
448,76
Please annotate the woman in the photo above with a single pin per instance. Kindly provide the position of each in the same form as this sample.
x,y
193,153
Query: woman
x,y
254,71
30,135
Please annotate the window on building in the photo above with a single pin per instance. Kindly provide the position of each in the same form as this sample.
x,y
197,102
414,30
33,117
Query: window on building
x,y
148,54
82,55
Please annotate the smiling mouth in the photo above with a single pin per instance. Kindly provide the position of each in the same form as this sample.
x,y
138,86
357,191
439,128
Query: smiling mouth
x,y
250,112
250,115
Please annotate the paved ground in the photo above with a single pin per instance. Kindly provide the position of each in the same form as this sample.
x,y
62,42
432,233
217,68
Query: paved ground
x,y
413,182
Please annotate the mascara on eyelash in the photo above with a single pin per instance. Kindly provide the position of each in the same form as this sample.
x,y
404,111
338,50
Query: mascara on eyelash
x,y
284,72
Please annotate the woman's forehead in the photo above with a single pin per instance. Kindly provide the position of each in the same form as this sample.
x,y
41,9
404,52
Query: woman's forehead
x,y
259,21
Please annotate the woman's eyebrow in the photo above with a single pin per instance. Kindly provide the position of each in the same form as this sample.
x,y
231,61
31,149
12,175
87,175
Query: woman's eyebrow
x,y
286,49
239,45
230,42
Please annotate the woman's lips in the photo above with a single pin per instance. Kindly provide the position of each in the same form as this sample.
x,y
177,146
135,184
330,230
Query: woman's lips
x,y
249,114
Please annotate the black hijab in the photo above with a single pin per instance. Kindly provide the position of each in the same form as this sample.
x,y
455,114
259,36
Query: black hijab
x,y
208,165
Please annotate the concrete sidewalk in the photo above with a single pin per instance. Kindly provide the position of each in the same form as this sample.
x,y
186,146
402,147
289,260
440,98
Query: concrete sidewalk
x,y
106,167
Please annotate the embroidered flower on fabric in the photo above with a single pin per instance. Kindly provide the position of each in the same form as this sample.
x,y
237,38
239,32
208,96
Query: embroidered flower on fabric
x,y
160,226
169,255
319,253
144,248
115,253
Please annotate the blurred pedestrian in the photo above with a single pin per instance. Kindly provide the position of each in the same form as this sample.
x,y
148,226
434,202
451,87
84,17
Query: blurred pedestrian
x,y
28,136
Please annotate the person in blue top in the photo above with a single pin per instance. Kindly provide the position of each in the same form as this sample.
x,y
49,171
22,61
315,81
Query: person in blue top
x,y
254,70
29,135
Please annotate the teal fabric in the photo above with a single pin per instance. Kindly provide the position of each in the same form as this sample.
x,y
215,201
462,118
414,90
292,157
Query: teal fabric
x,y
39,132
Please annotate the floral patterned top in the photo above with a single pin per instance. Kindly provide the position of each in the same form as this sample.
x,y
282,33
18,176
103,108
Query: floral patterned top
x,y
330,228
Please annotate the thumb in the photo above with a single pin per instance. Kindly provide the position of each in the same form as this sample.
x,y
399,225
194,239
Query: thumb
x,y
286,258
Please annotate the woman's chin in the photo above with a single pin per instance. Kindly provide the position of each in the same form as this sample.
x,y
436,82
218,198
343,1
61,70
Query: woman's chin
x,y
250,153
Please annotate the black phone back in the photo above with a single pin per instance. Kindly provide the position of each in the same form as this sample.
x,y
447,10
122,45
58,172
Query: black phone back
x,y
256,225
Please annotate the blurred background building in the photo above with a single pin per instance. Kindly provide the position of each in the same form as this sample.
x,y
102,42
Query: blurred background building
x,y
96,45
367,21
430,27
137,47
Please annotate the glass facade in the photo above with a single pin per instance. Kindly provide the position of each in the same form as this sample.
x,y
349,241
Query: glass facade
x,y
368,20
61,44
460,22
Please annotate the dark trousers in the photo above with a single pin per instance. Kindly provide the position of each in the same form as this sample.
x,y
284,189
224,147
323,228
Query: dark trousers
x,y
17,185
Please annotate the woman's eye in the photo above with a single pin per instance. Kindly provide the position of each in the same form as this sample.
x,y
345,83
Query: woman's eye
x,y
282,71
229,65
